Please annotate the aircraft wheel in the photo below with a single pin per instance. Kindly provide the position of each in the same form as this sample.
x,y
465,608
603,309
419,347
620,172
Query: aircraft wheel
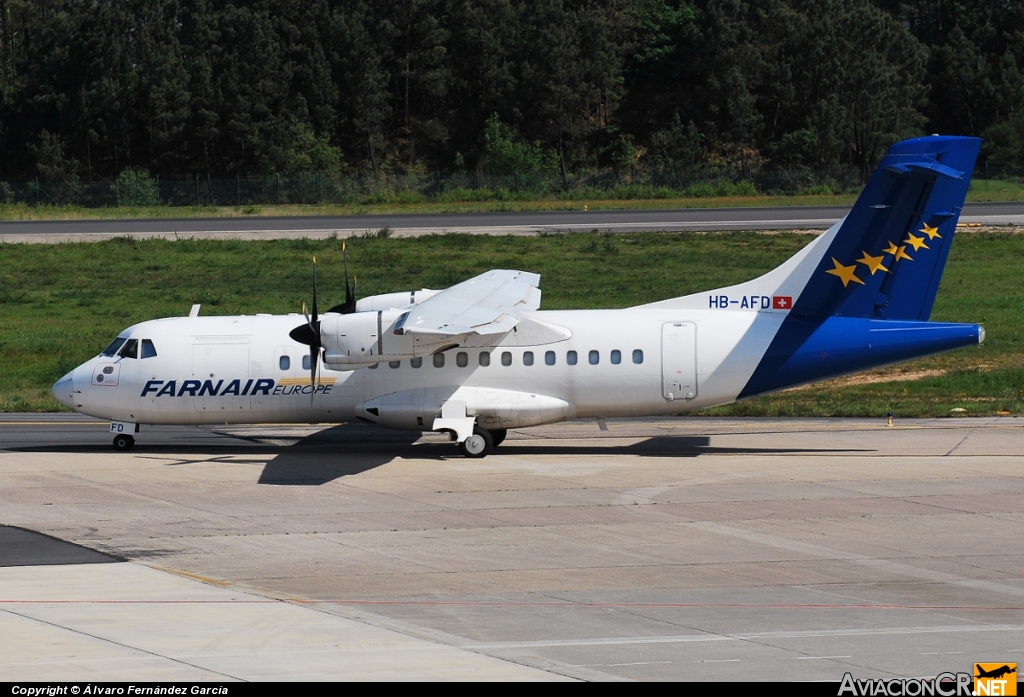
x,y
123,442
498,436
477,445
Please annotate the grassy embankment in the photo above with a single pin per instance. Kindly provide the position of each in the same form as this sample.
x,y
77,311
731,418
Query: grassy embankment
x,y
981,191
61,304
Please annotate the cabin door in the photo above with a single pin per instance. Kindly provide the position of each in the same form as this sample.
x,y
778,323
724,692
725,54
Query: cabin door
x,y
679,360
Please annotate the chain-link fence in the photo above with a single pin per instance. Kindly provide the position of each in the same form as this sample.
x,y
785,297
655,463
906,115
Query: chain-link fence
x,y
368,189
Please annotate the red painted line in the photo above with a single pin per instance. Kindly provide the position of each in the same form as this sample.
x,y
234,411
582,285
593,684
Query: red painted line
x,y
448,603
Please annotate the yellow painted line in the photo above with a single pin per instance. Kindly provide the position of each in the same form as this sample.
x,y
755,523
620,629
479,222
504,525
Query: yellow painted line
x,y
194,577
55,423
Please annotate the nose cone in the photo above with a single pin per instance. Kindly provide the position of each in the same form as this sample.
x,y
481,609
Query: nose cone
x,y
62,391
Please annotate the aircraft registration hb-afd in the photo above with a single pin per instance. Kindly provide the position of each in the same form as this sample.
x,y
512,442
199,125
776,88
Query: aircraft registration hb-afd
x,y
480,357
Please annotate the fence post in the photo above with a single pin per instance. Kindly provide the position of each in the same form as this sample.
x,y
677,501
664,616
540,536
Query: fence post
x,y
37,191
117,194
238,188
197,189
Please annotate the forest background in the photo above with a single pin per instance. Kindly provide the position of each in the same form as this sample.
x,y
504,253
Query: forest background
x,y
94,90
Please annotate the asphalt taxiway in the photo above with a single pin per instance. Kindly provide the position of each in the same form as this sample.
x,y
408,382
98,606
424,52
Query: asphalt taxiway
x,y
513,223
660,549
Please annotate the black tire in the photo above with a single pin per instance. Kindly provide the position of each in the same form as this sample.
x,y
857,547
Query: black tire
x,y
123,442
479,444
498,436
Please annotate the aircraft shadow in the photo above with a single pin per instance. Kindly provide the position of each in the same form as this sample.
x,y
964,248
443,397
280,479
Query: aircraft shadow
x,y
340,451
662,446
350,449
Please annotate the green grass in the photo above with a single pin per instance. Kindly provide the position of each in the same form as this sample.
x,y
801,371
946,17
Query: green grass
x,y
983,190
980,191
485,201
24,212
61,304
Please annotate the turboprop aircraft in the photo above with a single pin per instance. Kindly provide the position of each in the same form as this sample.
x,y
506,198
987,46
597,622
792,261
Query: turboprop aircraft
x,y
479,358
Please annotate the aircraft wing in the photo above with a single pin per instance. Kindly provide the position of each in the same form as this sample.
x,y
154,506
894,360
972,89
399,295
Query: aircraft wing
x,y
488,304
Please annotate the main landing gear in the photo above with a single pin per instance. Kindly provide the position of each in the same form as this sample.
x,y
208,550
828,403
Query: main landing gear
x,y
482,442
479,444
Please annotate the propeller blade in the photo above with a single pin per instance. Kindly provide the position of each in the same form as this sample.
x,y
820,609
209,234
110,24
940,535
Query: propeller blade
x,y
350,299
349,306
315,318
309,333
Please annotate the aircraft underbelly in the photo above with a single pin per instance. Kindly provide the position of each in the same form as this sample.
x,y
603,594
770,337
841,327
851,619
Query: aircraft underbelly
x,y
416,409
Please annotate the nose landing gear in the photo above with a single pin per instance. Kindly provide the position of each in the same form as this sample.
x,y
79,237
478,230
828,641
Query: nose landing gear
x,y
123,442
122,430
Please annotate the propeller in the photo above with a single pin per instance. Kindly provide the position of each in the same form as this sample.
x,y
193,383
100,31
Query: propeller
x,y
309,334
349,306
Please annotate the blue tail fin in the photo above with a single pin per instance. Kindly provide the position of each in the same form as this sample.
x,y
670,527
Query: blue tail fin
x,y
865,289
886,260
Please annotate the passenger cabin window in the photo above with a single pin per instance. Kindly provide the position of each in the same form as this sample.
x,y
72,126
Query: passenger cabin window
x,y
148,349
306,365
594,357
438,360
528,358
638,356
571,358
485,359
284,363
394,364
549,357
416,362
114,346
506,358
130,349
616,356
462,359
374,366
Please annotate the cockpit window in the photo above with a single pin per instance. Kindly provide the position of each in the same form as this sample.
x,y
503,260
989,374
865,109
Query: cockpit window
x,y
130,349
114,346
148,349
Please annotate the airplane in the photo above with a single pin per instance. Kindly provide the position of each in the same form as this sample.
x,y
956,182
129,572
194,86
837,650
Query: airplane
x,y
996,673
480,357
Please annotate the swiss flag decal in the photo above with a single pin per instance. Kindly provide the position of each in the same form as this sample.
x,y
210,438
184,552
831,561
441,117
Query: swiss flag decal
x,y
782,302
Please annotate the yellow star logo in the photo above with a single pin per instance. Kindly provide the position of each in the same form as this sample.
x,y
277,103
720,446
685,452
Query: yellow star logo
x,y
916,242
931,231
844,273
873,263
891,249
901,253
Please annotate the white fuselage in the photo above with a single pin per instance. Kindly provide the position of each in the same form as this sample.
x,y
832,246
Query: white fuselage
x,y
246,369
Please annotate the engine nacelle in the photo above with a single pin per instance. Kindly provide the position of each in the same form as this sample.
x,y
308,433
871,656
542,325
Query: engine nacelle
x,y
391,301
364,338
